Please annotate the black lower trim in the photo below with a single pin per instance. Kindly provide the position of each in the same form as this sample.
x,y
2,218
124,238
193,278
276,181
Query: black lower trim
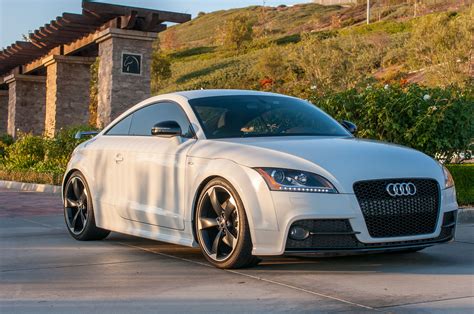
x,y
344,240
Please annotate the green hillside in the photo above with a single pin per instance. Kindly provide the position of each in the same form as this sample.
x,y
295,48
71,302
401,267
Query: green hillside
x,y
309,48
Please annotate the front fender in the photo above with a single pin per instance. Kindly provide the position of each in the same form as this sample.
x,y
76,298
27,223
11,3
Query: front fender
x,y
251,187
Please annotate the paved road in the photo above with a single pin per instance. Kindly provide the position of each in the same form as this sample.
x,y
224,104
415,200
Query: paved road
x,y
43,270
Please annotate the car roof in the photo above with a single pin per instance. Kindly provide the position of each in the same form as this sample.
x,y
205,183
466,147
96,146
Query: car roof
x,y
193,94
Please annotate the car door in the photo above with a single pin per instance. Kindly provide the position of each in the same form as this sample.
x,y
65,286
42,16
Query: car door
x,y
155,191
112,165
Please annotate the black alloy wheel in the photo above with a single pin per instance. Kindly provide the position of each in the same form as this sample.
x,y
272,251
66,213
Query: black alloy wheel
x,y
222,228
78,210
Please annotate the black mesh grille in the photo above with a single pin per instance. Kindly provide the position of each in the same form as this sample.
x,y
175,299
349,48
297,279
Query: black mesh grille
x,y
343,241
387,216
322,225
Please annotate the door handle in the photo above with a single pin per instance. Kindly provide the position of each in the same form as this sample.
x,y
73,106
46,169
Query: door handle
x,y
118,158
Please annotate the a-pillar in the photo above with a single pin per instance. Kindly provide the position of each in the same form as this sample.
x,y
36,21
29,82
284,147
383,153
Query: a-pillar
x,y
67,92
124,71
3,111
26,104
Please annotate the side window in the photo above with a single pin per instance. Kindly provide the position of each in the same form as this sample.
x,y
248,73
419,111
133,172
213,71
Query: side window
x,y
122,127
144,119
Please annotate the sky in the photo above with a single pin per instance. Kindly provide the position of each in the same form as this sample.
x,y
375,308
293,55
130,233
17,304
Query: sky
x,y
17,17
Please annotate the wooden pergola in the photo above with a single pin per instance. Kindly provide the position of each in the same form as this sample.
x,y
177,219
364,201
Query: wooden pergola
x,y
70,33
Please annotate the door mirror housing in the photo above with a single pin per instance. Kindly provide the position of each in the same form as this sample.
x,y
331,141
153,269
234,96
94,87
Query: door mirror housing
x,y
349,126
84,134
166,129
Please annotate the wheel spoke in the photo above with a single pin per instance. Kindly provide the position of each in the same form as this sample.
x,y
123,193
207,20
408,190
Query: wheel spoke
x,y
74,220
228,208
229,239
83,218
76,189
215,245
215,202
207,223
83,197
71,203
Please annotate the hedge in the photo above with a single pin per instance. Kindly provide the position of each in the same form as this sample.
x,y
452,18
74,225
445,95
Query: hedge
x,y
438,122
463,176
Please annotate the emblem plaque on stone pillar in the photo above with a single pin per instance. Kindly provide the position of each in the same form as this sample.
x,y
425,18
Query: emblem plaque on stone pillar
x,y
131,63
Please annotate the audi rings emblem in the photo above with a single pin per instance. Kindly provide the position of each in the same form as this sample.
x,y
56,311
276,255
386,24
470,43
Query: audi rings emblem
x,y
401,189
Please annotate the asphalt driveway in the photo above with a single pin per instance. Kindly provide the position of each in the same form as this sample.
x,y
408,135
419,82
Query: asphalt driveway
x,y
42,269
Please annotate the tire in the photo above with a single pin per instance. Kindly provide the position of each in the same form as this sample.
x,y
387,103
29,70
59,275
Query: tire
x,y
79,211
220,216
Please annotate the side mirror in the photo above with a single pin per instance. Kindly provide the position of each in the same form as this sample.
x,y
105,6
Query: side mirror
x,y
349,126
166,128
83,134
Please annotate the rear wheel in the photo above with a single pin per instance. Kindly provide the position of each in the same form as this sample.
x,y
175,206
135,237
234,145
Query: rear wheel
x,y
78,210
222,228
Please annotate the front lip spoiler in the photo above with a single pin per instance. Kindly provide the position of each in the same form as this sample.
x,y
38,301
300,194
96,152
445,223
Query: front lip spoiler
x,y
381,249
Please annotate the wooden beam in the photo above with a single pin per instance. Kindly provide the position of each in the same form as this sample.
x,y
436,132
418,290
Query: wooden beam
x,y
129,21
100,9
79,43
151,21
62,24
79,19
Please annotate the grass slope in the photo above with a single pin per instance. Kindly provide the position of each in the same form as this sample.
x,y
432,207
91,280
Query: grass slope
x,y
200,61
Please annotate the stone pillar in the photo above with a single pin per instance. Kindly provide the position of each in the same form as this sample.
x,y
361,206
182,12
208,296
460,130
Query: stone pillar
x,y
3,111
67,92
124,71
26,103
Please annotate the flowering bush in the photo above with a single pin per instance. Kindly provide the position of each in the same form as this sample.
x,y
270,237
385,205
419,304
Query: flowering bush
x,y
439,122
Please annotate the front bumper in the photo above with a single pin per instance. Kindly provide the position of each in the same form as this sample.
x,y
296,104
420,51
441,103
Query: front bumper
x,y
338,236
291,208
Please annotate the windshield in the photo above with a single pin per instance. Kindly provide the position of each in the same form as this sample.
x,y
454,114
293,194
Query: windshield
x,y
257,116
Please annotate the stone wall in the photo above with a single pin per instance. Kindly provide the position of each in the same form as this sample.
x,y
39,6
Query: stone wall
x,y
119,91
26,103
67,92
3,111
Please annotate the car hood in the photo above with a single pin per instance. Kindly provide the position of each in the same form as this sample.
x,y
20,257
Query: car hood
x,y
343,160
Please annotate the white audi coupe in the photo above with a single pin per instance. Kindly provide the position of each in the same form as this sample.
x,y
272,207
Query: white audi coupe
x,y
243,174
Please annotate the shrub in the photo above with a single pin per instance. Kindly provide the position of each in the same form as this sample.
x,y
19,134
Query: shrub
x,y
5,141
463,176
439,122
59,149
441,45
237,31
25,152
45,155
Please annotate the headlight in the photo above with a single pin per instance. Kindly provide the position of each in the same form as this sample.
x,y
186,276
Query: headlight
x,y
448,178
295,180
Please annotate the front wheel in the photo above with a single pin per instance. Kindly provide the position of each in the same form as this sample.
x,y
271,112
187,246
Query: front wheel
x,y
78,210
222,228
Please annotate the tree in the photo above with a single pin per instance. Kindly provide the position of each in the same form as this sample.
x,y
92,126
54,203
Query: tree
x,y
237,31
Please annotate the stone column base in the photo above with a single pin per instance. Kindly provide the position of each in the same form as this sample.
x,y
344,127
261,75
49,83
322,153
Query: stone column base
x,y
26,104
67,92
3,111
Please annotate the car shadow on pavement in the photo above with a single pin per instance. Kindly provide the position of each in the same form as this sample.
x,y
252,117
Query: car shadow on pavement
x,y
440,259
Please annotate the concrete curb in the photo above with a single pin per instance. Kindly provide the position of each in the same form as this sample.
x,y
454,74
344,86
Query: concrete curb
x,y
465,214
32,187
